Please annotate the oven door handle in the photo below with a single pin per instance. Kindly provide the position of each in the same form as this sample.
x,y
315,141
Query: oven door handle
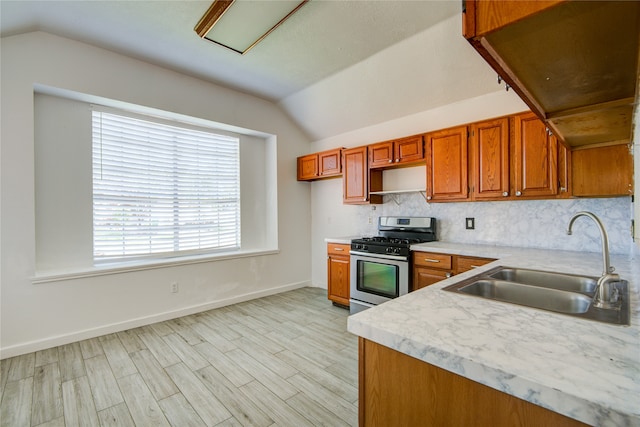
x,y
381,256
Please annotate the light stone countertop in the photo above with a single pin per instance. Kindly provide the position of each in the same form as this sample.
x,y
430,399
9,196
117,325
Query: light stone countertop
x,y
583,369
343,240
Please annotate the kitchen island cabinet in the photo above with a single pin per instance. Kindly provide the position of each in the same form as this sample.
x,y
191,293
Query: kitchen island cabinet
x,y
399,390
556,362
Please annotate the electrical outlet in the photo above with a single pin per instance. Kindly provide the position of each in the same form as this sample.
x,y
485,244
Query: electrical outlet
x,y
470,223
174,287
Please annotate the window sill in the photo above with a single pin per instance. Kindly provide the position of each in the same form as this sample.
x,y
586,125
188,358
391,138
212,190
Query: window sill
x,y
126,267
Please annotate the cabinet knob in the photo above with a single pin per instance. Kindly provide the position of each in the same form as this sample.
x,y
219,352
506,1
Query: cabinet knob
x,y
428,197
390,160
563,189
447,275
518,193
505,194
397,160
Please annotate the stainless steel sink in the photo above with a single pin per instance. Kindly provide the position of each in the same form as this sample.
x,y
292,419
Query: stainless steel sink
x,y
532,296
545,279
561,293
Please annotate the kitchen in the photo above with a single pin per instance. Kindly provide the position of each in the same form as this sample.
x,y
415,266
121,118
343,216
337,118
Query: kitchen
x,y
298,262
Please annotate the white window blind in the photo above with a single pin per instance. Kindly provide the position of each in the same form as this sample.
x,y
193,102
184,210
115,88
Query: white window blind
x,y
162,189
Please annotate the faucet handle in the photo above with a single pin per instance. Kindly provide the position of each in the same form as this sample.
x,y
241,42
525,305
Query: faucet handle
x,y
611,269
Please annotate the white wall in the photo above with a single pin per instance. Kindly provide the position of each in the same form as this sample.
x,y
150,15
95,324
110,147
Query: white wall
x,y
43,315
388,85
540,224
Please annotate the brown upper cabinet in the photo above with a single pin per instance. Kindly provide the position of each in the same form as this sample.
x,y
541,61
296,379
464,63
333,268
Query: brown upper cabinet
x,y
489,165
535,158
398,152
447,165
358,179
574,63
326,164
602,171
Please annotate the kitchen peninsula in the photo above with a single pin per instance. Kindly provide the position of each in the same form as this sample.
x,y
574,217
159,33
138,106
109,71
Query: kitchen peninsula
x,y
584,370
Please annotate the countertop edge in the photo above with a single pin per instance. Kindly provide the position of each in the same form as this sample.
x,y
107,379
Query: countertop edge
x,y
566,401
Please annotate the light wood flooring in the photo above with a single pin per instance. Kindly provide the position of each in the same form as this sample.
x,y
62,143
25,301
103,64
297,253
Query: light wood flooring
x,y
282,360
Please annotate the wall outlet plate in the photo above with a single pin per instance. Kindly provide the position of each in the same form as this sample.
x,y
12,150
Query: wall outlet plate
x,y
470,223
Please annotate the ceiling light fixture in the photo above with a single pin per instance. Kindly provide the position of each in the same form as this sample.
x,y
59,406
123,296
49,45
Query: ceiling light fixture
x,y
246,24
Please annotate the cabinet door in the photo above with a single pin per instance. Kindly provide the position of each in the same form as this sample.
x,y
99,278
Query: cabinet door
x,y
338,279
564,171
602,171
446,156
381,154
357,179
307,167
409,150
330,163
423,277
466,263
535,158
490,159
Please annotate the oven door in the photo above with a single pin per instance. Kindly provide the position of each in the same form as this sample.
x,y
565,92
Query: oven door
x,y
376,278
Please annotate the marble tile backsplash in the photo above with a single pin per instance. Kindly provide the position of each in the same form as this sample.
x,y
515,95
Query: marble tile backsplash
x,y
522,223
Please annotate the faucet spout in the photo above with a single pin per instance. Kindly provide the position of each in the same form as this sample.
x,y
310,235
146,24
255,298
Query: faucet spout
x,y
605,295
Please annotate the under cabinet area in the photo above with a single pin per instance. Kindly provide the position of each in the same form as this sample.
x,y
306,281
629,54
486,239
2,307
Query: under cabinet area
x,y
574,63
338,273
430,267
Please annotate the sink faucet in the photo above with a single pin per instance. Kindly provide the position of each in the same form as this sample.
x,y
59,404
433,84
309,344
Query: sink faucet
x,y
605,296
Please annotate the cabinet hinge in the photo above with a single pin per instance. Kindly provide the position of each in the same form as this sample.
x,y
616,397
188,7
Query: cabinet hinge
x,y
633,228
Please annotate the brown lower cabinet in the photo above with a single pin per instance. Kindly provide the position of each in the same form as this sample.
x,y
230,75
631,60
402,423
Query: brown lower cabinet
x,y
430,268
338,273
398,390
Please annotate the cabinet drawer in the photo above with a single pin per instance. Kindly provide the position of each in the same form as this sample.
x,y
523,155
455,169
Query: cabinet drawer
x,y
338,249
432,260
464,263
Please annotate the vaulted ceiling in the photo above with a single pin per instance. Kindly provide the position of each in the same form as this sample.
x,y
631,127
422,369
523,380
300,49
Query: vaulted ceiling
x,y
334,66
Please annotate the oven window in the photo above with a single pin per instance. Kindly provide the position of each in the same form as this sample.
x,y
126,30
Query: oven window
x,y
378,278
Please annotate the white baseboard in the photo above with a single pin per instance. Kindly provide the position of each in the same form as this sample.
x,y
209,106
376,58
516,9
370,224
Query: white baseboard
x,y
29,347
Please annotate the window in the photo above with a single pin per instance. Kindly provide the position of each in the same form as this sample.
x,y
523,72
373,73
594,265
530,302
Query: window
x,y
161,189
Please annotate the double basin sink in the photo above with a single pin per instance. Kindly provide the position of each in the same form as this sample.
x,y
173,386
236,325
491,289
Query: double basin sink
x,y
562,293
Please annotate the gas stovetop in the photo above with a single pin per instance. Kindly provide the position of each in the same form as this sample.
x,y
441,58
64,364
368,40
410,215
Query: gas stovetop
x,y
397,234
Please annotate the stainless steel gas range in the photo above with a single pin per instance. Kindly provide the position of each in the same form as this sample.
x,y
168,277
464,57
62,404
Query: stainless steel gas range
x,y
381,265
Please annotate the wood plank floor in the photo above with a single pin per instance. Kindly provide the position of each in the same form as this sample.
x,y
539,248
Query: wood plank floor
x,y
282,360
